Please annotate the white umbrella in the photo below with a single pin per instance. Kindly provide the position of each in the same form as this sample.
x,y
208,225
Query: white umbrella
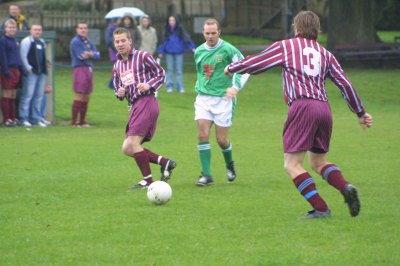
x,y
124,11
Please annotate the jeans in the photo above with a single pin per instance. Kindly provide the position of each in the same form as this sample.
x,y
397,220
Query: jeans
x,y
30,104
174,64
43,106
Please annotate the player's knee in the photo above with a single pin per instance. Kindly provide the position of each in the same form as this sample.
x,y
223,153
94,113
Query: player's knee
x,y
222,142
317,165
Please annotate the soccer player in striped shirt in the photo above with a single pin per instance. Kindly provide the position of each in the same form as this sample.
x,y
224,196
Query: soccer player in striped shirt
x,y
215,102
136,77
305,66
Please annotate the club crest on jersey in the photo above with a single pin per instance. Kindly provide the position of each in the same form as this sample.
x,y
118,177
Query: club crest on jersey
x,y
218,58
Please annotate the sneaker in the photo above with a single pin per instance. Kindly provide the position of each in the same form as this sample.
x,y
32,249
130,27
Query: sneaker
x,y
205,180
25,123
170,90
44,121
351,198
86,125
231,173
314,214
166,170
181,90
141,185
41,124
10,123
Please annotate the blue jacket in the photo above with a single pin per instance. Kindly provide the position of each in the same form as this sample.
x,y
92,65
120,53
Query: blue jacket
x,y
77,47
9,54
175,40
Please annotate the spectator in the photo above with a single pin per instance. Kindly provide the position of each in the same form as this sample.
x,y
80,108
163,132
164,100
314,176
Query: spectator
x,y
112,53
149,35
129,23
176,39
47,90
83,51
34,63
15,14
10,61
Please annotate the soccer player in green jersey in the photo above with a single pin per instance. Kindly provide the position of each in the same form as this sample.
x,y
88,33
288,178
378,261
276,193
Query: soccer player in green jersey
x,y
216,99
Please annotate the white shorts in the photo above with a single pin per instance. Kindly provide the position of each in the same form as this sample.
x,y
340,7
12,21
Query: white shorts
x,y
216,109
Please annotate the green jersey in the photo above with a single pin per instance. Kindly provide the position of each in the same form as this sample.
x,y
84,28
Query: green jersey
x,y
210,65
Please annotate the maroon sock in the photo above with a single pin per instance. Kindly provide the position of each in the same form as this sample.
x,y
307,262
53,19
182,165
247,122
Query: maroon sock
x,y
75,111
153,158
306,186
5,109
82,111
13,109
332,174
142,161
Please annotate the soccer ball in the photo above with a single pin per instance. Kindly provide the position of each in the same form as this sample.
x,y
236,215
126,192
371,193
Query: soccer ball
x,y
159,192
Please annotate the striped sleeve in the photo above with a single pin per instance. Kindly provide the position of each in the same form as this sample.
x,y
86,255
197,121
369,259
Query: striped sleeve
x,y
156,72
116,80
258,63
337,75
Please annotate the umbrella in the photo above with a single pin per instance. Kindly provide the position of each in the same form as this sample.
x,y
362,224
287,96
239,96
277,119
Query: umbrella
x,y
124,11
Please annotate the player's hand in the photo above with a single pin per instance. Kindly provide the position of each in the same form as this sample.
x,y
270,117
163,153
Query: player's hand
x,y
121,91
226,72
366,121
143,87
231,93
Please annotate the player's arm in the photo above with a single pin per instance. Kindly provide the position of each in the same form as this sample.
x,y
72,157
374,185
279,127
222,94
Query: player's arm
x,y
157,73
349,93
258,63
238,80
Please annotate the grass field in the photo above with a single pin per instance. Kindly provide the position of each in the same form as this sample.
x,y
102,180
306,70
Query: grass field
x,y
64,197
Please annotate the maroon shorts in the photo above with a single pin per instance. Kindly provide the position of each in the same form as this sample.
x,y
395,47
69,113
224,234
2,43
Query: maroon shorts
x,y
308,127
143,118
11,82
83,80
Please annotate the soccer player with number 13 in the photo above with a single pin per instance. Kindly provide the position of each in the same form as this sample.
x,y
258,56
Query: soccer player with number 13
x,y
305,66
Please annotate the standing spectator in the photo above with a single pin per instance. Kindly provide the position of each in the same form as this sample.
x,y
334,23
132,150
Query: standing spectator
x,y
137,76
47,90
10,61
83,51
215,102
129,23
305,66
112,53
176,39
15,14
149,35
34,63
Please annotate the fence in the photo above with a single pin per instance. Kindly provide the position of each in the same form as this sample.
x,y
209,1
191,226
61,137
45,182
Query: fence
x,y
64,22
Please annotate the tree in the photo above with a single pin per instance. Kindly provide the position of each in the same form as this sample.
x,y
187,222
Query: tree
x,y
351,22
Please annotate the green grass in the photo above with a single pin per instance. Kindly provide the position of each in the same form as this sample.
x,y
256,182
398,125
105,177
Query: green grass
x,y
64,197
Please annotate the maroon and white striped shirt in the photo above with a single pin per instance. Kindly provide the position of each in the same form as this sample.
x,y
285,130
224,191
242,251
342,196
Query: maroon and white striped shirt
x,y
305,66
139,67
